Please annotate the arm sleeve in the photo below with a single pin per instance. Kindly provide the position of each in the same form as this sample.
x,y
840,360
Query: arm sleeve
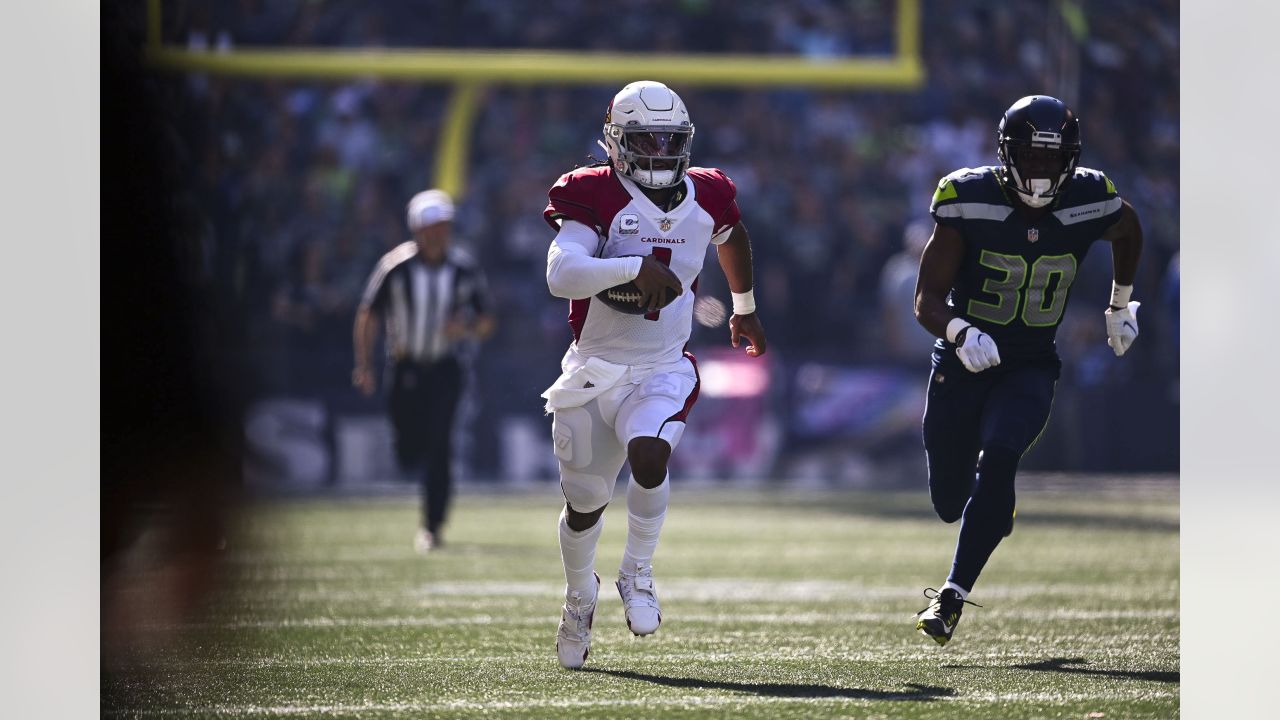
x,y
573,272
375,290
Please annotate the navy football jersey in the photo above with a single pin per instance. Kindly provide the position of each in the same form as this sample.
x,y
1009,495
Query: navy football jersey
x,y
1016,275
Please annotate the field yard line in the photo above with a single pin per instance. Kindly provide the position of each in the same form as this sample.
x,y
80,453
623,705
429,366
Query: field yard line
x,y
688,700
882,654
721,589
725,618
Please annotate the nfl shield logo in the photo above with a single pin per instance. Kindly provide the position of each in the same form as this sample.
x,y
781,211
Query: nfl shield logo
x,y
1033,234
664,224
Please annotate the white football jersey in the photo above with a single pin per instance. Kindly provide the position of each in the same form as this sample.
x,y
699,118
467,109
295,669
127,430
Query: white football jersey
x,y
628,223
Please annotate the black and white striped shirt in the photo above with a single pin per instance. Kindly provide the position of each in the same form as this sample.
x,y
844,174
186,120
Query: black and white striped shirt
x,y
418,300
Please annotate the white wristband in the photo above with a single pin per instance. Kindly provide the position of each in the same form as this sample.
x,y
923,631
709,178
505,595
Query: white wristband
x,y
954,327
743,303
1120,294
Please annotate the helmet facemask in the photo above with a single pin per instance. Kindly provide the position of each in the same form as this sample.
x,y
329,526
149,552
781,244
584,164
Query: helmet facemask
x,y
1038,170
654,157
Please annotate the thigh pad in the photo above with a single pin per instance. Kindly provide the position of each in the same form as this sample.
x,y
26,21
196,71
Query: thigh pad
x,y
571,436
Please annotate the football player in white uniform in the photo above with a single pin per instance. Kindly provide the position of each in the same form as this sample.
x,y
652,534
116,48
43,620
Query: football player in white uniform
x,y
643,217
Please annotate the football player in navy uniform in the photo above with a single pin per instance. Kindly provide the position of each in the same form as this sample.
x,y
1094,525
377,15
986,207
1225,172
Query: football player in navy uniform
x,y
994,281
631,238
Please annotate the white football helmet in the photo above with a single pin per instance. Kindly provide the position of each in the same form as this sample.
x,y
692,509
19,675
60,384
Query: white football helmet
x,y
647,134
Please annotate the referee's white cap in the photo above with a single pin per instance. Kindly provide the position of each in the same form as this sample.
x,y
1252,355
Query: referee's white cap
x,y
428,208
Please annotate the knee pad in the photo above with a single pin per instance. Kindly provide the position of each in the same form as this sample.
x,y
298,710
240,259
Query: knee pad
x,y
571,436
585,492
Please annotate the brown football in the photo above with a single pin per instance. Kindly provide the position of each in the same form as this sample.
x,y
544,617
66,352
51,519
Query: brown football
x,y
624,297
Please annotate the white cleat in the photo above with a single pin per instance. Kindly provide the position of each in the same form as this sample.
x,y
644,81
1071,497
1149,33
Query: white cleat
x,y
424,542
640,600
573,639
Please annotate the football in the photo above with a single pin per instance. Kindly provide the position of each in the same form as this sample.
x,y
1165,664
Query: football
x,y
624,297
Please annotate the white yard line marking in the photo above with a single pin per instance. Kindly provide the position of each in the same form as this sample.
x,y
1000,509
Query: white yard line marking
x,y
709,589
804,618
883,653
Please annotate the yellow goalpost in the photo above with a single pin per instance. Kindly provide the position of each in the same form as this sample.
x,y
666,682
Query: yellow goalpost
x,y
469,71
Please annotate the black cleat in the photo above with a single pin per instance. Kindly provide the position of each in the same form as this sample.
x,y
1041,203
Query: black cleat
x,y
939,620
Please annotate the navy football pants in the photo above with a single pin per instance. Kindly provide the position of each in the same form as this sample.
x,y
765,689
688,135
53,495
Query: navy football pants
x,y
976,429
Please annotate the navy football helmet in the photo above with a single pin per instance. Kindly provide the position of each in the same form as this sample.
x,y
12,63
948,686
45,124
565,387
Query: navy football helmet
x,y
1039,147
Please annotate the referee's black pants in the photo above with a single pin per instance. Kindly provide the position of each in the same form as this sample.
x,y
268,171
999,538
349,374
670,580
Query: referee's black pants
x,y
424,398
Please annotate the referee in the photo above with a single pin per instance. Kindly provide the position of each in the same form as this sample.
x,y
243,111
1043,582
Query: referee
x,y
434,300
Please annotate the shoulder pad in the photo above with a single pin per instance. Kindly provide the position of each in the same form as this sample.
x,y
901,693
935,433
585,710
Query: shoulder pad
x,y
589,195
715,192
1094,182
712,180
1090,196
581,181
965,184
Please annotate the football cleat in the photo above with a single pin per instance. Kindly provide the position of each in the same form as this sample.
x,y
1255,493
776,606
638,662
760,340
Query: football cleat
x,y
573,638
640,600
939,619
426,541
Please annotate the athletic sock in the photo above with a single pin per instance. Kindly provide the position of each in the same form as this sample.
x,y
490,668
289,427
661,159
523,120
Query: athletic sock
x,y
948,585
578,553
646,510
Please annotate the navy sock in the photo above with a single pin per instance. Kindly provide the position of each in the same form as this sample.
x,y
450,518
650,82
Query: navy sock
x,y
986,516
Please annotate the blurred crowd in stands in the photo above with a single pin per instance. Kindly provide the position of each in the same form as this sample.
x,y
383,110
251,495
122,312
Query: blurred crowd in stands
x,y
297,187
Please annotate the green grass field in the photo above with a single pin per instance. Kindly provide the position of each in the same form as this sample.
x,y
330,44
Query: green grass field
x,y
775,604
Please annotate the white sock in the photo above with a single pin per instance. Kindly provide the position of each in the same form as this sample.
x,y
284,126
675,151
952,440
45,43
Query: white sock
x,y
646,509
964,594
578,553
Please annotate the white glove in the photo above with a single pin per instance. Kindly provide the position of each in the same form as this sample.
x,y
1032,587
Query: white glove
x,y
1122,327
978,352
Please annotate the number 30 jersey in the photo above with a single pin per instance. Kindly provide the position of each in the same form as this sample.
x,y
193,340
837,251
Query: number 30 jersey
x,y
1016,275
